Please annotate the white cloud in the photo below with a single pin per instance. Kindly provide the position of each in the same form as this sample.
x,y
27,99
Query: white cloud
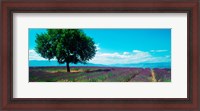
x,y
136,56
158,50
34,56
137,51
126,53
97,47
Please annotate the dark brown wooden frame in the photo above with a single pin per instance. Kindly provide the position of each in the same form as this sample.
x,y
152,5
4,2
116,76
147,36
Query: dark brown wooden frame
x,y
191,7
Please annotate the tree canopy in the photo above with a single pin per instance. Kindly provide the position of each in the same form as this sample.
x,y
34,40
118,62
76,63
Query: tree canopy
x,y
66,45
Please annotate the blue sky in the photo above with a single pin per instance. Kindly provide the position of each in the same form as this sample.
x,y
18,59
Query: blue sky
x,y
117,46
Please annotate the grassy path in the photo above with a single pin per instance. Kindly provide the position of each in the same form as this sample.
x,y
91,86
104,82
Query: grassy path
x,y
153,76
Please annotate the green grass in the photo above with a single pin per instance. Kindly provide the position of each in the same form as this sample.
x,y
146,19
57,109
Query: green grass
x,y
166,80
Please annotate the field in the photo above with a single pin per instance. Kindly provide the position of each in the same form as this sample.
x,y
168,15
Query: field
x,y
98,74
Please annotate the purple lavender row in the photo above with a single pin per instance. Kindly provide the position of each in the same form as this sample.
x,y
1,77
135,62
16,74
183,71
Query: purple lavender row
x,y
124,76
162,75
143,76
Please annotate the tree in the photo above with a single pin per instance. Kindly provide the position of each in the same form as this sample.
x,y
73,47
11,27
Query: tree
x,y
66,45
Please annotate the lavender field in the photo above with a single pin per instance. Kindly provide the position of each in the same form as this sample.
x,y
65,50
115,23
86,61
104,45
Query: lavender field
x,y
99,74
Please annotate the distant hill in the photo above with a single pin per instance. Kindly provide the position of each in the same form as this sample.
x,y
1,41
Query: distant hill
x,y
145,65
35,63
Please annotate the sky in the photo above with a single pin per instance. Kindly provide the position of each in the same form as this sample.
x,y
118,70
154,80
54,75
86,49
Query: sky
x,y
121,46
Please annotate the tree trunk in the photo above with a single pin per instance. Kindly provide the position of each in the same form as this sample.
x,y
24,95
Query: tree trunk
x,y
68,68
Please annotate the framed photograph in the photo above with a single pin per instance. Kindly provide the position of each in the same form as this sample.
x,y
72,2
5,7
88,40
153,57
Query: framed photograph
x,y
100,55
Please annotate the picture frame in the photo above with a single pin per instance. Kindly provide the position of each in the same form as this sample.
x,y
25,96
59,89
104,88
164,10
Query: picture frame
x,y
191,7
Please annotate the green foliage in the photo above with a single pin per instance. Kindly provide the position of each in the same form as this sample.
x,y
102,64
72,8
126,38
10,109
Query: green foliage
x,y
66,45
